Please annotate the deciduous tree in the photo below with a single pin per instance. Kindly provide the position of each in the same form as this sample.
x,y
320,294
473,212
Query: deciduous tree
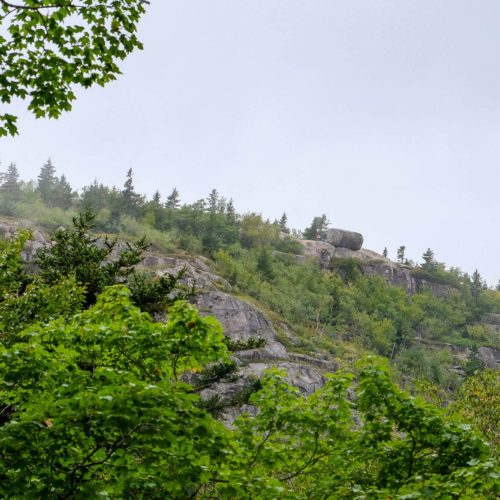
x,y
50,47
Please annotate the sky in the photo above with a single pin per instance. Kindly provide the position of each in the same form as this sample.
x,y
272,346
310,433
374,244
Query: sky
x,y
383,115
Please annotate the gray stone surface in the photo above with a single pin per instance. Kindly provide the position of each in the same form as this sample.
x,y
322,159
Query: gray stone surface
x,y
197,274
490,356
318,250
242,321
9,228
344,239
363,255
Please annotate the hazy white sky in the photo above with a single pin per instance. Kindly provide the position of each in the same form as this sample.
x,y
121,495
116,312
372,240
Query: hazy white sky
x,y
385,115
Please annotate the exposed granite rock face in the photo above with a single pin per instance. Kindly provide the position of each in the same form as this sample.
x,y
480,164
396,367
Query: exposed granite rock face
x,y
319,250
197,274
243,322
344,239
401,275
307,379
490,356
9,228
363,255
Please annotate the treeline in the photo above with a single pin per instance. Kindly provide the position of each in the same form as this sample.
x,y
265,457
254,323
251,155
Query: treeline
x,y
204,226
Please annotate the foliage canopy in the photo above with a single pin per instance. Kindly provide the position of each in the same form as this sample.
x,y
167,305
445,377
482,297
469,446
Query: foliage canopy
x,y
47,47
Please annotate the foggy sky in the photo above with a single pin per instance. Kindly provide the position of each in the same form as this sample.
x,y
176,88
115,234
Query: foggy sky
x,y
382,114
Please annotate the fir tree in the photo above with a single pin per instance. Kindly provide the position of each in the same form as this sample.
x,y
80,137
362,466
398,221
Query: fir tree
x,y
474,362
63,194
213,201
265,264
230,211
401,254
47,182
430,263
131,199
173,200
283,224
157,198
385,253
477,285
10,187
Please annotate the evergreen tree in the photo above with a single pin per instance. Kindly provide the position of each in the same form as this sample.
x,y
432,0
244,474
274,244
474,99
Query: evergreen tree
x,y
474,362
317,229
401,254
10,188
430,263
385,253
265,264
477,285
131,200
283,224
231,212
95,196
157,198
173,200
47,182
63,194
213,201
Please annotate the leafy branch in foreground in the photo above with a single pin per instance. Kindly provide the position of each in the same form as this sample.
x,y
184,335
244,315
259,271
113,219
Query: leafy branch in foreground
x,y
50,46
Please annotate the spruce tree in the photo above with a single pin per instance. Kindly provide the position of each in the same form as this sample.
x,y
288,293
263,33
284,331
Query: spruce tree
x,y
63,194
474,362
173,200
213,201
156,198
10,187
401,254
131,200
283,224
265,264
230,211
47,182
385,253
430,263
477,285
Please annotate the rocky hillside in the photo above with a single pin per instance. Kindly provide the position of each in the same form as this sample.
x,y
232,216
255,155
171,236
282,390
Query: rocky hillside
x,y
254,335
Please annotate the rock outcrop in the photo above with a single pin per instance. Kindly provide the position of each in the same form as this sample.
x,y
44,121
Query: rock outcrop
x,y
318,250
374,264
9,228
245,323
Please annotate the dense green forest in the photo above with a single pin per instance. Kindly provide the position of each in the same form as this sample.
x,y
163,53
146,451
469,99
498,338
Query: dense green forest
x,y
94,398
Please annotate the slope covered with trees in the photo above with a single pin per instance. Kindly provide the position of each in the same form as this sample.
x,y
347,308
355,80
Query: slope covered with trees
x,y
94,394
94,401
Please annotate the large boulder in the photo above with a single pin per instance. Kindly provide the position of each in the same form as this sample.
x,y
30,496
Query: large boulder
x,y
344,239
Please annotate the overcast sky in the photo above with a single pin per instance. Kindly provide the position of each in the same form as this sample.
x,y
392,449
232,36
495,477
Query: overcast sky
x,y
385,115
